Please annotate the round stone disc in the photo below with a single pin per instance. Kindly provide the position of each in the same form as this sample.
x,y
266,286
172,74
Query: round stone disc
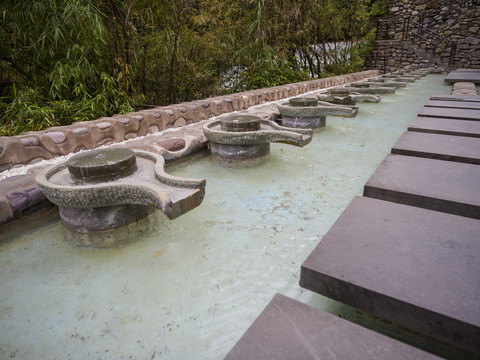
x,y
102,164
297,102
240,123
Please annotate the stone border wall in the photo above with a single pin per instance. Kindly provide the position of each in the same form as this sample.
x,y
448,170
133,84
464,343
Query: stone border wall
x,y
32,147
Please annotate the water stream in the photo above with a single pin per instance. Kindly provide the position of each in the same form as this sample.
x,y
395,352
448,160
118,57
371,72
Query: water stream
x,y
190,289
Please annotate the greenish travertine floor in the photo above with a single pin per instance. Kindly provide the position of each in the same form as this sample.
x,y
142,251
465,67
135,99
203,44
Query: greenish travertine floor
x,y
189,288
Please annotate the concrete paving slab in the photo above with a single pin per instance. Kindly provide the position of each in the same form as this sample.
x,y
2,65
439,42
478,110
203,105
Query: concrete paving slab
x,y
453,104
469,75
417,268
460,114
438,185
288,329
446,126
441,147
455,98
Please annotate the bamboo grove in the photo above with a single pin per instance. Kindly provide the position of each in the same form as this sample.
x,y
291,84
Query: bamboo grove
x,y
63,61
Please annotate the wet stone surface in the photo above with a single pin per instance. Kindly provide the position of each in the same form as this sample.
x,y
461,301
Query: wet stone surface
x,y
240,123
403,264
303,102
288,329
27,200
102,165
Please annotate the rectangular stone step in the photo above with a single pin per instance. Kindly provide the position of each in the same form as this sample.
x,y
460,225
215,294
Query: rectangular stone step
x,y
438,185
441,147
414,267
446,126
470,75
456,98
453,104
446,113
288,329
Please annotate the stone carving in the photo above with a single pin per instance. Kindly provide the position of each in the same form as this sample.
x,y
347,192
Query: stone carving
x,y
403,78
105,189
378,82
311,113
348,90
243,137
350,99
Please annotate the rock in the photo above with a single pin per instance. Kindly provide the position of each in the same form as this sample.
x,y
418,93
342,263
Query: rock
x,y
57,137
130,135
174,144
80,130
27,200
104,141
30,141
6,214
124,120
152,129
472,40
104,125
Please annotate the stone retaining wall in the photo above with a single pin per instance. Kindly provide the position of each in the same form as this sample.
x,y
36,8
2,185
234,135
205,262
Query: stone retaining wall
x,y
32,147
401,55
458,21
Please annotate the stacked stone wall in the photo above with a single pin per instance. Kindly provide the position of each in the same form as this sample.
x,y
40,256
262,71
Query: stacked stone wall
x,y
400,55
458,21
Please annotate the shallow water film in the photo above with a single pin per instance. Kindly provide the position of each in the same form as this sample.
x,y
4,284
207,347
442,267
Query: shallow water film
x,y
189,288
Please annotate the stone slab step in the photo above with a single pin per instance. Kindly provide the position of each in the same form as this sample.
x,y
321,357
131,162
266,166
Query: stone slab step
x,y
453,104
438,185
414,267
446,126
460,114
441,147
455,98
288,329
468,75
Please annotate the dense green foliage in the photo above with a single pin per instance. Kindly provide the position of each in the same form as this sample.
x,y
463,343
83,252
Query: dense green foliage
x,y
63,61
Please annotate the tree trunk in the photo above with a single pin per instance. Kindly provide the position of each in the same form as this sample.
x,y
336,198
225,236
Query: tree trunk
x,y
171,81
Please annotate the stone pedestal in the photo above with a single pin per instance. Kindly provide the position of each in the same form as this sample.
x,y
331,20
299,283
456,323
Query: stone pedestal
x,y
239,152
304,122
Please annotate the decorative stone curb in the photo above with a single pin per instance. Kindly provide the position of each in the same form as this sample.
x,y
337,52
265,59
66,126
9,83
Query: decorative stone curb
x,y
32,147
